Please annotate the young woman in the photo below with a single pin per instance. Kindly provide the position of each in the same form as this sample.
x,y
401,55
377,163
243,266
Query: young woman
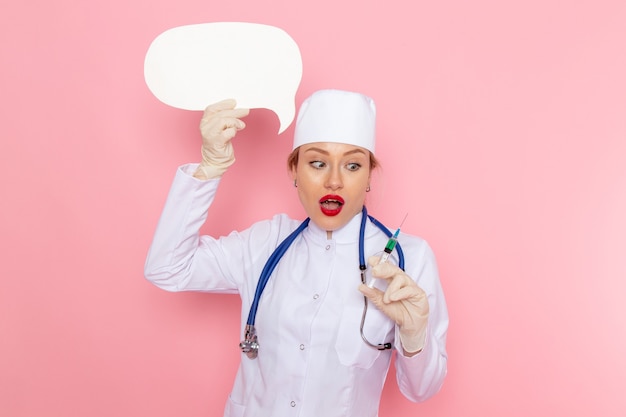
x,y
314,348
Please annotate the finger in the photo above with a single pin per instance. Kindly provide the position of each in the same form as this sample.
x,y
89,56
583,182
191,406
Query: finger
x,y
405,293
227,104
223,109
235,113
217,126
229,132
239,124
229,122
373,294
400,279
386,270
210,117
397,284
373,260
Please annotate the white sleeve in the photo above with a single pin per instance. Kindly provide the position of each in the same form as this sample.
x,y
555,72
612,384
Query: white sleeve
x,y
180,259
421,376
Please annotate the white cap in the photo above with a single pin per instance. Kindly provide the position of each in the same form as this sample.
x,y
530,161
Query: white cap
x,y
337,116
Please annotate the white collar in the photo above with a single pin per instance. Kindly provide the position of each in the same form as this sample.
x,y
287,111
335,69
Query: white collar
x,y
346,234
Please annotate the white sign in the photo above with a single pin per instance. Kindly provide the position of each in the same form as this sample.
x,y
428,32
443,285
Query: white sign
x,y
190,67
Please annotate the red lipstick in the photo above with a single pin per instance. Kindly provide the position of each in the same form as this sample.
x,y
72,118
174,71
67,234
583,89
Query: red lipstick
x,y
331,205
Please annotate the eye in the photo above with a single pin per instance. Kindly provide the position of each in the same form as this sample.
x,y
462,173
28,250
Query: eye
x,y
353,166
317,164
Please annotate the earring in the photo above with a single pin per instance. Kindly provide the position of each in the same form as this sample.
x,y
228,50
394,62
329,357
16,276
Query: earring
x,y
367,190
295,183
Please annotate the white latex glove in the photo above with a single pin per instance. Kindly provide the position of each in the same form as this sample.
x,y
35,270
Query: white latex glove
x,y
403,301
220,122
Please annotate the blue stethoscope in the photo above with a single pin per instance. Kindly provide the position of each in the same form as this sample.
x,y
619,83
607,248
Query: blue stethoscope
x,y
250,345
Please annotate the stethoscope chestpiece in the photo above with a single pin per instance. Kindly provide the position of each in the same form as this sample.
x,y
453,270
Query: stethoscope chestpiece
x,y
250,345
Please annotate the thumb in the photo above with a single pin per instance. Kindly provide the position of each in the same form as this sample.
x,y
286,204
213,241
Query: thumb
x,y
227,104
373,294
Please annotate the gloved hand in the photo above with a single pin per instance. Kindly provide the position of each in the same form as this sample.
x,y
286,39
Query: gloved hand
x,y
218,126
403,301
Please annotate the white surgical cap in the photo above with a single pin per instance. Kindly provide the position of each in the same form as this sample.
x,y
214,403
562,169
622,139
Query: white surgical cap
x,y
337,116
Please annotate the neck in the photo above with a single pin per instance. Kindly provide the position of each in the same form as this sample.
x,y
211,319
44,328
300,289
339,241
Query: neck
x,y
329,234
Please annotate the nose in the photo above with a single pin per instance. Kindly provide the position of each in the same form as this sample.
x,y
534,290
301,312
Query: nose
x,y
334,180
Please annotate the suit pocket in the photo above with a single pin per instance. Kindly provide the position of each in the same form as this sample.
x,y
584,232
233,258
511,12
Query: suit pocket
x,y
350,347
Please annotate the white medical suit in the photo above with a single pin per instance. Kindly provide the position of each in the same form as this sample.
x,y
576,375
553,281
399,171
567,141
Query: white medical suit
x,y
312,361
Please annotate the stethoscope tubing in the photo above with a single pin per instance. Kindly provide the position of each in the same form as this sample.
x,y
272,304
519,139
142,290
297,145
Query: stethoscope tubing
x,y
280,250
269,267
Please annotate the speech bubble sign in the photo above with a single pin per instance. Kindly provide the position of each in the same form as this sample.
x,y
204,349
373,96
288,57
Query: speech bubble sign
x,y
190,67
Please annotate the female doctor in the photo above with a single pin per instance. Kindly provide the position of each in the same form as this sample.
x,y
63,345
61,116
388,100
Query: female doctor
x,y
314,348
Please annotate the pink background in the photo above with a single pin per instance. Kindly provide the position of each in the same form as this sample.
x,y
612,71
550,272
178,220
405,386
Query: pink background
x,y
502,131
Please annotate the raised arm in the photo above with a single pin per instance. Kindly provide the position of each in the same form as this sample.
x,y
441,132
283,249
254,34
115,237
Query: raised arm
x,y
179,258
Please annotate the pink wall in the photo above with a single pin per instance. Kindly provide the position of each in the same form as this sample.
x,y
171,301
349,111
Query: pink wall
x,y
502,133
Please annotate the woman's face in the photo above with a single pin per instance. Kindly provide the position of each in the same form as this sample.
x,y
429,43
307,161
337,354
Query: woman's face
x,y
332,179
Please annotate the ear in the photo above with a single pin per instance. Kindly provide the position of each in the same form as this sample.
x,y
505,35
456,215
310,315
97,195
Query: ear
x,y
293,171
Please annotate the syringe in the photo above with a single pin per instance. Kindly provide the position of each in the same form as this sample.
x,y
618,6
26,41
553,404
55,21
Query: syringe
x,y
391,244
389,247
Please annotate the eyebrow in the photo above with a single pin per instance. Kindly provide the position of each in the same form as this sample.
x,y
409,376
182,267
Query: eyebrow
x,y
322,151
